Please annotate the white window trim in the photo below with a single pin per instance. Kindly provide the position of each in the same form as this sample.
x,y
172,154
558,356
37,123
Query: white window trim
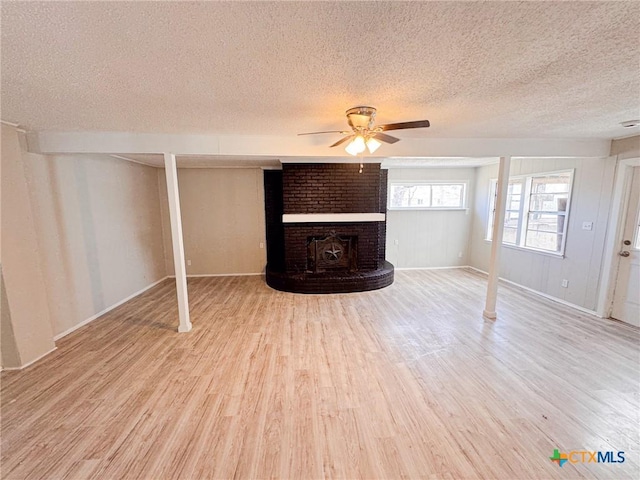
x,y
465,189
524,213
429,209
492,198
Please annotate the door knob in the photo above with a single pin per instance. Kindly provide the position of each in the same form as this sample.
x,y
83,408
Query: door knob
x,y
624,253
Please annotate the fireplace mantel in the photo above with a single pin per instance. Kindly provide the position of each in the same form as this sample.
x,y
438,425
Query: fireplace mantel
x,y
332,217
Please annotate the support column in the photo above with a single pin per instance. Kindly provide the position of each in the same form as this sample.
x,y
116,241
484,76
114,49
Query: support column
x,y
496,238
171,172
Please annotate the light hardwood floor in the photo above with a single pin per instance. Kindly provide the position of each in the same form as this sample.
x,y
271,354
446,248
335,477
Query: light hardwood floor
x,y
405,382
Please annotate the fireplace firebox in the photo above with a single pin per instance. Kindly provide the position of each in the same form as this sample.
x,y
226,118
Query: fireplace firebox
x,y
332,253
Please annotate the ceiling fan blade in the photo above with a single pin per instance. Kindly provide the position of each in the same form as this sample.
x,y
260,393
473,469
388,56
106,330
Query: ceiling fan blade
x,y
403,125
328,131
385,138
341,141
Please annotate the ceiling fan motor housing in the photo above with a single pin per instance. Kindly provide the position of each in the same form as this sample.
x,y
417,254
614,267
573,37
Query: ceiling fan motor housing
x,y
361,117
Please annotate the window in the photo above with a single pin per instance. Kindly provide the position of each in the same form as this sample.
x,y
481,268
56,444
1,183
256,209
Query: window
x,y
536,212
512,213
427,195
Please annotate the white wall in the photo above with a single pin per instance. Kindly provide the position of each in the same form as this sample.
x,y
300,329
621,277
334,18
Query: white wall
x,y
581,265
222,220
99,232
9,353
430,238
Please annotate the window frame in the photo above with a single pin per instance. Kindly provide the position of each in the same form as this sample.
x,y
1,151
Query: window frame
x,y
525,210
409,183
492,202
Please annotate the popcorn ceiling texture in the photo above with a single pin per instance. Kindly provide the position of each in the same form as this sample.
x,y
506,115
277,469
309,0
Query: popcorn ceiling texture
x,y
475,69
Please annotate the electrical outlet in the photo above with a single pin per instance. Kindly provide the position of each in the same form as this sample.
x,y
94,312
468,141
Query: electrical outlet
x,y
188,263
565,283
587,225
261,245
459,254
395,242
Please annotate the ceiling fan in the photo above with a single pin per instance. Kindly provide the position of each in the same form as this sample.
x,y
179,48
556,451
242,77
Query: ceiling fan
x,y
364,134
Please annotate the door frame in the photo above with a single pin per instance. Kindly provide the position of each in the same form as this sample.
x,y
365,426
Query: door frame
x,y
615,231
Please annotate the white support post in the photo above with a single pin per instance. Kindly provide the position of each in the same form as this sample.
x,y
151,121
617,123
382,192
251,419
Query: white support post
x,y
171,172
496,242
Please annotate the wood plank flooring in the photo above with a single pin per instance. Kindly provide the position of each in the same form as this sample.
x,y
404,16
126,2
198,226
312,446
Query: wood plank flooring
x,y
405,382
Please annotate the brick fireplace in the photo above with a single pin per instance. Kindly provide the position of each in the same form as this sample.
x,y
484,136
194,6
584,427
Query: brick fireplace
x,y
326,228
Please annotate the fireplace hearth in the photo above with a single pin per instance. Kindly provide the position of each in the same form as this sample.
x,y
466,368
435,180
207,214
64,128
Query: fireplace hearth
x,y
326,228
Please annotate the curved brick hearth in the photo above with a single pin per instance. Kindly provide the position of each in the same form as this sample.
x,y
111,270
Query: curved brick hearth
x,y
331,282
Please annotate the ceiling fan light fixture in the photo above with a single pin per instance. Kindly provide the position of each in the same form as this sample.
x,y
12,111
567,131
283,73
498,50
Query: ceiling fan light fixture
x,y
373,145
356,146
364,134
361,117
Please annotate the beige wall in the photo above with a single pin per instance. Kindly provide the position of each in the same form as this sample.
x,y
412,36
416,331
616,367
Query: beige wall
x,y
590,201
430,238
222,220
99,230
8,348
25,302
5,335
626,147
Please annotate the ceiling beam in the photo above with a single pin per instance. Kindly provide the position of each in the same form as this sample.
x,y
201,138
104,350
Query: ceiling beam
x,y
295,146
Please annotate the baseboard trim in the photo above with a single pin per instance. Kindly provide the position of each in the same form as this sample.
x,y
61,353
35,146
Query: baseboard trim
x,y
9,369
544,295
430,268
106,310
133,295
203,275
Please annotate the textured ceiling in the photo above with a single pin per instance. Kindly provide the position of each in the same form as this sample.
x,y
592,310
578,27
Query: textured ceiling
x,y
498,69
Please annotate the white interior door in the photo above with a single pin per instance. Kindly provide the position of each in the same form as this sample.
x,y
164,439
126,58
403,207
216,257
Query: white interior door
x,y
626,297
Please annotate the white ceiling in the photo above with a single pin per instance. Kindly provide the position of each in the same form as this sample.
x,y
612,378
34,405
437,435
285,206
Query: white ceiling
x,y
475,69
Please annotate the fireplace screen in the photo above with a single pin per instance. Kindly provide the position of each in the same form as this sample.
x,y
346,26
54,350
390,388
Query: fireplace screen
x,y
331,253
